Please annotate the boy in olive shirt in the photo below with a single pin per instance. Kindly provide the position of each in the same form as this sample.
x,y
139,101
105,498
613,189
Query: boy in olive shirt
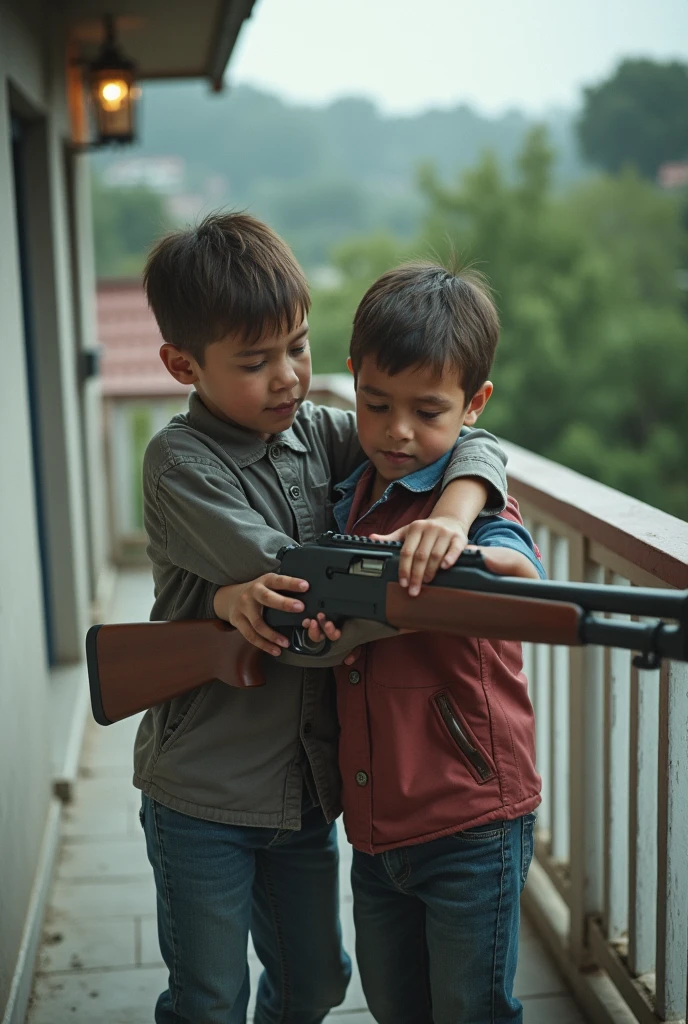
x,y
241,787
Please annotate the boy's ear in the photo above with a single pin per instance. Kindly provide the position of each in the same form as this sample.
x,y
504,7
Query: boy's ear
x,y
349,365
477,403
178,365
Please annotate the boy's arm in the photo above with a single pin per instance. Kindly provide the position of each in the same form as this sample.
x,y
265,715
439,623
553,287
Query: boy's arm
x,y
474,485
436,542
202,521
478,455
494,532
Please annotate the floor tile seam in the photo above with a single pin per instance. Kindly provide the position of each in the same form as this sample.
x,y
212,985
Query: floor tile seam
x,y
73,919
85,972
86,880
85,838
535,996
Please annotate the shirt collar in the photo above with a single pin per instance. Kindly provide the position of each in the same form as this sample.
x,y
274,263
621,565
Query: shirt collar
x,y
425,479
244,445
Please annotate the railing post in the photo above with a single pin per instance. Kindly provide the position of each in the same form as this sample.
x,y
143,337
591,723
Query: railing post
x,y
542,704
672,841
616,773
559,755
642,822
586,780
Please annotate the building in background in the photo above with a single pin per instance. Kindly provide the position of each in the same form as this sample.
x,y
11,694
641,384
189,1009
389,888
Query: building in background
x,y
161,173
139,397
53,506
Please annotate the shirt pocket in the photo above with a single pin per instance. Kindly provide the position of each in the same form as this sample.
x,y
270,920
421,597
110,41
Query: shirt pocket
x,y
476,759
180,721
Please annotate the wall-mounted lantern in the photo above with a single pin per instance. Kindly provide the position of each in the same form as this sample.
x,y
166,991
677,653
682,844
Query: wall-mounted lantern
x,y
111,80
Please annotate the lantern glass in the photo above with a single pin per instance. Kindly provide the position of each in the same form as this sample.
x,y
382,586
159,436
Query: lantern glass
x,y
111,79
114,101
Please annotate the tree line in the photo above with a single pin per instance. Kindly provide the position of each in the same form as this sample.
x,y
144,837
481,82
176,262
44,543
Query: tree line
x,y
589,278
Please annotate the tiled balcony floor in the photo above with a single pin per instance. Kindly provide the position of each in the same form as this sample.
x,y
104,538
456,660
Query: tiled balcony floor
x,y
100,962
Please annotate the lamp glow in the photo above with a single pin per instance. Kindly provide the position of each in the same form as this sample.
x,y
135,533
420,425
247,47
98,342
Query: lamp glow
x,y
113,91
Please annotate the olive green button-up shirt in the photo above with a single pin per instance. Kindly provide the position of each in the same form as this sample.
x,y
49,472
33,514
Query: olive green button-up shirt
x,y
219,502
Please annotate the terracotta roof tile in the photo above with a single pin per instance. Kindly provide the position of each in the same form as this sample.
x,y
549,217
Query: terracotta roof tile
x,y
130,340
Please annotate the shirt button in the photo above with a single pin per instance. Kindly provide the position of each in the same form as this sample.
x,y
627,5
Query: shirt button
x,y
361,778
295,492
354,677
275,451
307,728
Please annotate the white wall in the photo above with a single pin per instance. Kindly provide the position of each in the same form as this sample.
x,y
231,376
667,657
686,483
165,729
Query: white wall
x,y
34,697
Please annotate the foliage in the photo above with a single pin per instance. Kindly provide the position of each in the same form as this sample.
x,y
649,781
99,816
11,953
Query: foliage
x,y
639,116
593,358
318,174
358,263
125,224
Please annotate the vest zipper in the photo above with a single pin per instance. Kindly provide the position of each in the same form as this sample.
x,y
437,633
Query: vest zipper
x,y
460,737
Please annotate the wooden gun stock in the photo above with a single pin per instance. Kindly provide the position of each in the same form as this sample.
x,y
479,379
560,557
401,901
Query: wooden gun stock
x,y
135,666
492,616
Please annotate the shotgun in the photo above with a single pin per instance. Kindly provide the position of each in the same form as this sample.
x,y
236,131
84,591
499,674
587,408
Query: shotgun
x,y
133,667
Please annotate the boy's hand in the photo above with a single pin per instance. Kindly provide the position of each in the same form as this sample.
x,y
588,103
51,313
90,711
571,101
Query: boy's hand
x,y
507,562
320,627
429,544
241,604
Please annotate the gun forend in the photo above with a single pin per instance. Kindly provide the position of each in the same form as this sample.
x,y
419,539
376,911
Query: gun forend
x,y
136,665
492,616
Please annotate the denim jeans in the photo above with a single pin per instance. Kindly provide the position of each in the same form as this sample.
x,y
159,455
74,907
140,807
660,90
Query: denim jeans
x,y
437,926
216,882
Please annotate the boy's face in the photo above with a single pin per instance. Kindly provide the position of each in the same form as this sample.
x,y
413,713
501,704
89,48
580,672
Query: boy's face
x,y
258,386
409,420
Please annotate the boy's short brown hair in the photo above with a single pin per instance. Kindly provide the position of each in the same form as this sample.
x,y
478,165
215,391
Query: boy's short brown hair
x,y
230,274
421,314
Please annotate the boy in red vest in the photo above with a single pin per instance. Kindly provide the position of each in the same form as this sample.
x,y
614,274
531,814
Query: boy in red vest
x,y
437,745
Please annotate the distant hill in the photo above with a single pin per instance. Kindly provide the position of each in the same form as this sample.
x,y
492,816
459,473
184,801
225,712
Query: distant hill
x,y
318,174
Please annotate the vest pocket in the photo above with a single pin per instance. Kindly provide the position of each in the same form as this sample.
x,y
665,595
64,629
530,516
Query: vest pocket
x,y
474,758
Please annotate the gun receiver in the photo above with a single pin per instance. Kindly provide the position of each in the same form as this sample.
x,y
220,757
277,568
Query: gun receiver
x,y
135,666
355,577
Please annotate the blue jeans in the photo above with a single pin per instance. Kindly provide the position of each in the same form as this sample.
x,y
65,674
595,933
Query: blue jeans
x,y
214,883
437,926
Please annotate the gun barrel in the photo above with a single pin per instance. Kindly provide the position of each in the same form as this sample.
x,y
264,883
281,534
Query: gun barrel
x,y
652,638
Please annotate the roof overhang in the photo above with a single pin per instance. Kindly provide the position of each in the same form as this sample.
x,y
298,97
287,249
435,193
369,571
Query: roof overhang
x,y
167,39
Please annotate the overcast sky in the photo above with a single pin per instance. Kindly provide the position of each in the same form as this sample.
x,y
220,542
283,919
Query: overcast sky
x,y
411,54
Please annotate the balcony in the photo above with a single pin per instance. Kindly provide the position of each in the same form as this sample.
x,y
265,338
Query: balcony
x,y
607,895
100,959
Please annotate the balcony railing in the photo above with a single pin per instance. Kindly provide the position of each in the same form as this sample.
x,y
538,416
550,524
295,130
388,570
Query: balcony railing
x,y
608,889
610,883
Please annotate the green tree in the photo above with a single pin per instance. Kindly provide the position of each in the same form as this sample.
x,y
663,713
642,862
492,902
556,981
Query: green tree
x,y
126,221
638,116
592,362
356,264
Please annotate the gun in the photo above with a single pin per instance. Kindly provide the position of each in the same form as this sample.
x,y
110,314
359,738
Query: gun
x,y
132,667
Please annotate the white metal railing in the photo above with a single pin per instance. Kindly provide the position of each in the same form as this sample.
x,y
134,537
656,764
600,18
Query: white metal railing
x,y
130,423
609,885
